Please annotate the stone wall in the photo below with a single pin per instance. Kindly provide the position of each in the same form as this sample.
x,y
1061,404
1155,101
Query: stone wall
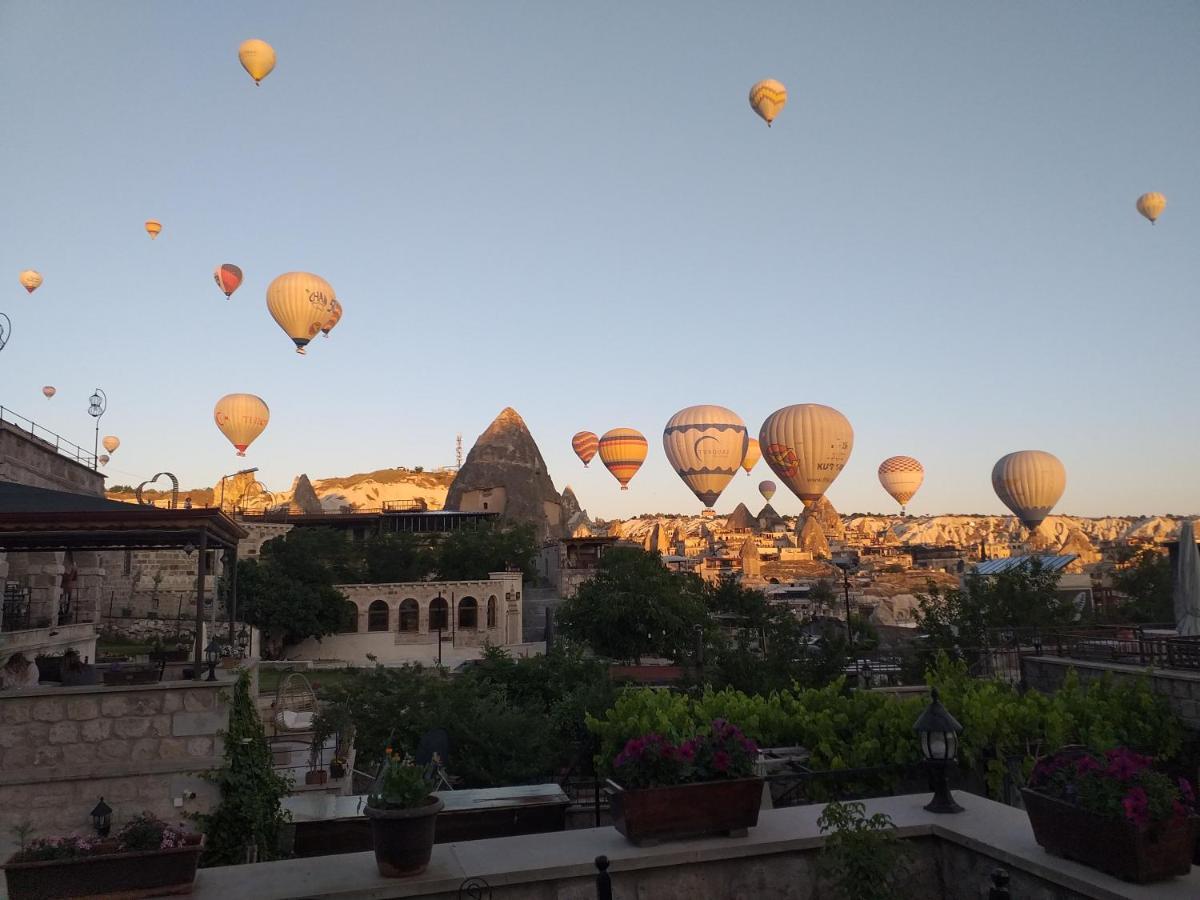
x,y
1180,688
139,747
29,460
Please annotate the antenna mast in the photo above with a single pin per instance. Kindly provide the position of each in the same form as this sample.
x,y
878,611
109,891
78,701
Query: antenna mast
x,y
458,451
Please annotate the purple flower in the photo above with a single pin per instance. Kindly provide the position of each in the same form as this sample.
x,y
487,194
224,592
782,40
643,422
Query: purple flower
x,y
1137,806
721,761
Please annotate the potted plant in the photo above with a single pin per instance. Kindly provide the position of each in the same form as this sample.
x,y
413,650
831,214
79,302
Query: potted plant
x,y
148,858
403,814
337,766
316,776
705,785
1112,811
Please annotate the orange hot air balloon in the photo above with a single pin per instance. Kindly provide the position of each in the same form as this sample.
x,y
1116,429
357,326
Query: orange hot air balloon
x,y
753,455
111,442
228,278
1151,205
585,443
49,391
623,450
153,228
31,279
241,418
335,316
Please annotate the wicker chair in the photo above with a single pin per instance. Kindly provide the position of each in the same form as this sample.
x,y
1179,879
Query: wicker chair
x,y
295,704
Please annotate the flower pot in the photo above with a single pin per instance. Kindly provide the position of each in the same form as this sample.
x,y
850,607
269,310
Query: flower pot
x,y
336,771
1115,846
649,815
316,776
403,838
145,873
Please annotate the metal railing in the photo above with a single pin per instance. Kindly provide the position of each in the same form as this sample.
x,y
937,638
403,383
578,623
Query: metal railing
x,y
52,440
1126,644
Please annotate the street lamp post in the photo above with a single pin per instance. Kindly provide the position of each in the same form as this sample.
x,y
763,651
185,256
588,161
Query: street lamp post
x,y
845,565
97,405
221,503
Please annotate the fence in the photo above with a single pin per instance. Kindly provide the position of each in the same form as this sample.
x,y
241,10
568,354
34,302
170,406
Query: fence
x,y
51,439
1128,644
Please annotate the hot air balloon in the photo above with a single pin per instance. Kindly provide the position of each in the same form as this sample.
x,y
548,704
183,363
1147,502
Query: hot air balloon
x,y
257,58
1029,482
807,445
104,458
753,455
584,443
228,278
111,442
623,450
241,418
153,227
334,317
31,280
767,489
49,391
301,304
705,445
767,98
1151,205
901,476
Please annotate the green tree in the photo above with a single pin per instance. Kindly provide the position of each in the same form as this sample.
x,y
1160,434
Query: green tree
x,y
469,554
863,856
634,607
1145,578
389,558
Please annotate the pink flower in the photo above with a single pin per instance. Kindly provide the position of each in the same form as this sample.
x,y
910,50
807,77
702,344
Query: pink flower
x,y
721,761
1137,806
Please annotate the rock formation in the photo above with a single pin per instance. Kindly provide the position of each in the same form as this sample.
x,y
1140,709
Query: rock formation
x,y
751,562
304,498
768,519
505,473
741,520
811,537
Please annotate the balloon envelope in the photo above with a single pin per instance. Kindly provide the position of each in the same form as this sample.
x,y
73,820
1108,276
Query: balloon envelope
x,y
257,58
104,457
300,303
705,445
767,98
623,450
335,316
241,418
1151,205
153,227
806,446
1029,482
49,391
753,455
111,442
585,443
767,489
31,280
901,476
228,278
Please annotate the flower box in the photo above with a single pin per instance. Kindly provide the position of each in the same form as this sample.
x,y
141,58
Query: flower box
x,y
130,875
647,816
316,776
1135,853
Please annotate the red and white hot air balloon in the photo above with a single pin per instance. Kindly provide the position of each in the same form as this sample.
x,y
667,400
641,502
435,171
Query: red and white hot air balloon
x,y
49,391
228,278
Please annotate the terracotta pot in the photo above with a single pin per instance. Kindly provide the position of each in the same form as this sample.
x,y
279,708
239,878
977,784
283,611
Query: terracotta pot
x,y
148,873
649,815
336,771
403,838
316,776
1115,846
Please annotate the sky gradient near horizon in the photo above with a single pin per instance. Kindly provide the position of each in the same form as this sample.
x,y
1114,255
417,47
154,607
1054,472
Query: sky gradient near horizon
x,y
572,210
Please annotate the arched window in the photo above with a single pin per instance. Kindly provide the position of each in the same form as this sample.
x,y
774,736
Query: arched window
x,y
438,614
491,612
468,613
410,615
377,616
350,618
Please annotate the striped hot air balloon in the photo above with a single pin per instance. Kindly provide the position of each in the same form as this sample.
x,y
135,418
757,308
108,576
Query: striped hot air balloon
x,y
31,280
753,455
807,446
767,98
623,450
153,228
705,445
1029,482
901,476
1151,205
228,278
585,443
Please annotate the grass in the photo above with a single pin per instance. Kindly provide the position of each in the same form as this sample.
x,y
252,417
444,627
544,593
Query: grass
x,y
108,646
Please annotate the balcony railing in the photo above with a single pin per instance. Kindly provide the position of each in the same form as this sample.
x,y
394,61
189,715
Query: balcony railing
x,y
53,441
1135,645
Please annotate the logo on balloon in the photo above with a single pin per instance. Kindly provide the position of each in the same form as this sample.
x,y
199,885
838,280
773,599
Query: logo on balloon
x,y
783,459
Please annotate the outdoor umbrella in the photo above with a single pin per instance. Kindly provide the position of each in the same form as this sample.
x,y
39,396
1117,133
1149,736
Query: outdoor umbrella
x,y
1187,583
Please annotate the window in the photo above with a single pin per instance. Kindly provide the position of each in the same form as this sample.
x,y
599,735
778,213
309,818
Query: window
x,y
350,620
410,615
491,612
438,614
377,616
468,613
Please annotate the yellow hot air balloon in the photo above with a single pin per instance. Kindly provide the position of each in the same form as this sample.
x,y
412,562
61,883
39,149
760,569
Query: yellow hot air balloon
x,y
806,446
257,58
49,391
301,303
767,98
753,455
767,489
901,476
111,442
585,443
1029,482
241,418
153,227
335,316
31,280
705,445
1151,205
623,450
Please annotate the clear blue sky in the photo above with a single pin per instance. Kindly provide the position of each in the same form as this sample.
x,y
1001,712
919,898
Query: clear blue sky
x,y
570,208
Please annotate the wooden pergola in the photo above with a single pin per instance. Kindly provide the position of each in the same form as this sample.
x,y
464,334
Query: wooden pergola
x,y
40,520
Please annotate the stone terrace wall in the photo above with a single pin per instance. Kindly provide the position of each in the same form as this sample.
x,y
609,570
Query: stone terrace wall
x,y
138,747
25,459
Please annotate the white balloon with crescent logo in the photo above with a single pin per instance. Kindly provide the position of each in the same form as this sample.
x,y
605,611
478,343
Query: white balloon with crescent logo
x,y
807,446
705,445
1029,482
901,476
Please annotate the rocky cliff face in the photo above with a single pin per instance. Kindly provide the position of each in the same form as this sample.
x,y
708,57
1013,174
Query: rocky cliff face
x,y
506,456
304,498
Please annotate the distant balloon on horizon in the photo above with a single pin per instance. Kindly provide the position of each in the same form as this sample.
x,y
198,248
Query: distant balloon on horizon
x,y
228,278
767,98
257,58
1151,205
153,228
767,489
1030,483
31,280
901,476
49,391
111,442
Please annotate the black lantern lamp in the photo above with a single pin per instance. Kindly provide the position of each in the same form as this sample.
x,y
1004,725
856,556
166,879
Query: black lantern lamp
x,y
243,640
102,818
938,733
212,653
